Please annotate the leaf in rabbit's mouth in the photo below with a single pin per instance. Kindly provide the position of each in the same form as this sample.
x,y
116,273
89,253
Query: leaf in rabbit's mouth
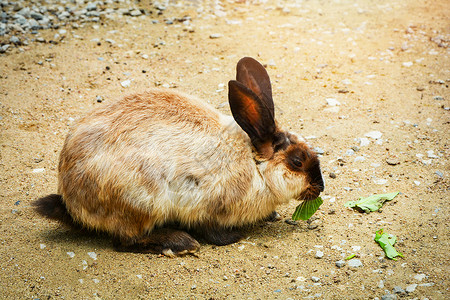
x,y
306,209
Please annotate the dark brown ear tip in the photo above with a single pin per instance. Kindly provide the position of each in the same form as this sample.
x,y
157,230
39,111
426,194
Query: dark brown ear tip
x,y
248,60
232,83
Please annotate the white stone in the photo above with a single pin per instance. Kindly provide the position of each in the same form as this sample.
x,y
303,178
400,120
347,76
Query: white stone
x,y
346,81
332,102
411,288
355,263
126,83
380,181
430,154
92,255
420,277
374,134
360,158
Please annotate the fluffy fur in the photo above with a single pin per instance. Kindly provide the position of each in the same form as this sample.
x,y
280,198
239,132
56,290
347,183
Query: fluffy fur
x,y
161,157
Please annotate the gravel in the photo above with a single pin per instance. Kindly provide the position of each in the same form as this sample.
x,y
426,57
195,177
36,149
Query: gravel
x,y
20,18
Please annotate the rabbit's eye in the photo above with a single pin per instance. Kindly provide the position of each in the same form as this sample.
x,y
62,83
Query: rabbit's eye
x,y
297,162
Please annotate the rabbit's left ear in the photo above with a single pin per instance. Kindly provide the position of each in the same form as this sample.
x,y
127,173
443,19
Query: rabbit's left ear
x,y
254,76
253,116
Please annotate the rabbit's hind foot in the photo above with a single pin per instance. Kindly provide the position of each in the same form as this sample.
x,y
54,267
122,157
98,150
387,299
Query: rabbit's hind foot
x,y
166,241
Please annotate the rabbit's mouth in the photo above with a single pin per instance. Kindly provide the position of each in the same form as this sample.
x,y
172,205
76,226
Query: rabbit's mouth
x,y
312,192
309,194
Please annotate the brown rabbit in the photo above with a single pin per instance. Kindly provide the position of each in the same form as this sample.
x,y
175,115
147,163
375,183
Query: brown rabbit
x,y
152,166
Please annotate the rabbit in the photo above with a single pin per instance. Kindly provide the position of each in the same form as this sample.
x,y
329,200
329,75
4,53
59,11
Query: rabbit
x,y
155,169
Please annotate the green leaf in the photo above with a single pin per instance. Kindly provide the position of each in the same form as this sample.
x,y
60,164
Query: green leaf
x,y
371,203
306,209
387,242
350,256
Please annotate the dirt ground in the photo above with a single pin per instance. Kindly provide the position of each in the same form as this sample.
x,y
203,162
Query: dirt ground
x,y
385,62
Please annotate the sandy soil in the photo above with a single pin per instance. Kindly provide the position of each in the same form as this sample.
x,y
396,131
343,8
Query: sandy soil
x,y
380,59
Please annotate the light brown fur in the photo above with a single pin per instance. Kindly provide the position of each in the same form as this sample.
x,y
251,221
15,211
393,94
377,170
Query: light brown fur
x,y
162,157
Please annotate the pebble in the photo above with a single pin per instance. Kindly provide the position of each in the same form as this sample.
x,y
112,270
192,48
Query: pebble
x,y
291,222
360,159
315,279
92,255
438,98
340,263
392,160
135,13
355,263
126,83
346,81
332,102
389,297
319,254
71,254
430,154
373,134
411,288
380,181
319,151
91,6
314,224
215,36
364,142
420,277
15,40
427,284
398,290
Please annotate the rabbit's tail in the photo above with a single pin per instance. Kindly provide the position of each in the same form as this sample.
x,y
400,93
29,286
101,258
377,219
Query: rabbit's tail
x,y
53,207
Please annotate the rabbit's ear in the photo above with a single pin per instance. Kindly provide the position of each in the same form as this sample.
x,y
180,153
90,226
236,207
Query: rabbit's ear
x,y
253,75
253,116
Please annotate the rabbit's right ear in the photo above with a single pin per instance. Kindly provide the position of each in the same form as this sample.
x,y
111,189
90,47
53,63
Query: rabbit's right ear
x,y
253,75
253,116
